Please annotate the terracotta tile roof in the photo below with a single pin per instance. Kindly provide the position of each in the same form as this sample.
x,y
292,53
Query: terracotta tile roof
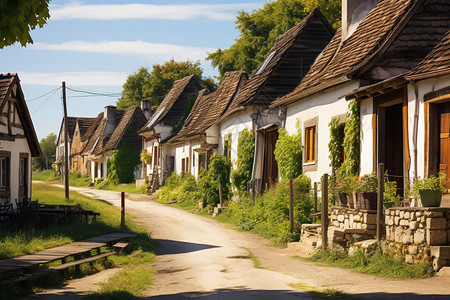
x,y
209,107
7,82
297,48
340,60
128,121
188,86
436,63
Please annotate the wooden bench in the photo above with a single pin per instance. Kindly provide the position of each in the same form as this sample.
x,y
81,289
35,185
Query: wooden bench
x,y
119,247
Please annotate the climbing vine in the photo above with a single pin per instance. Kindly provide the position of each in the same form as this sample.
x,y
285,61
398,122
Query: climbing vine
x,y
335,146
122,164
218,171
244,164
288,153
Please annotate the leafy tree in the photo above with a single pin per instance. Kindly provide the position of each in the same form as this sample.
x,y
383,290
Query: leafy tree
x,y
18,17
259,30
48,148
156,84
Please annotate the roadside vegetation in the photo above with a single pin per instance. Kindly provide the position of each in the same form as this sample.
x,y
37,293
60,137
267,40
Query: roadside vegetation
x,y
376,263
138,255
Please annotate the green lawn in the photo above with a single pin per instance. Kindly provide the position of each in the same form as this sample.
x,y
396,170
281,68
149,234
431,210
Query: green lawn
x,y
139,254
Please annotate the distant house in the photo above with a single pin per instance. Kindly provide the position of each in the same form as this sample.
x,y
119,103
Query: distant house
x,y
199,137
377,41
412,114
18,141
79,141
165,123
284,67
71,124
111,130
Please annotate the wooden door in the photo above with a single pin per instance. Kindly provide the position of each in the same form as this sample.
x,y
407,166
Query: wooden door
x,y
23,182
444,141
270,167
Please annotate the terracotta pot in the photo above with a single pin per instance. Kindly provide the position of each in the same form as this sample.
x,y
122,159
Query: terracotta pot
x,y
343,199
367,201
430,198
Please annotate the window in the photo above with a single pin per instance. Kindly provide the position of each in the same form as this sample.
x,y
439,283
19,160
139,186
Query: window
x,y
265,63
4,173
183,166
22,172
310,147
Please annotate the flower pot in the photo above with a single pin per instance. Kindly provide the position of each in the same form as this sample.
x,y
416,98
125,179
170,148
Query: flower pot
x,y
367,201
352,199
343,199
430,198
388,204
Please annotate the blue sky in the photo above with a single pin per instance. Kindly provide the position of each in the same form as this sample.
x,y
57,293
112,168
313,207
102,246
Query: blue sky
x,y
94,45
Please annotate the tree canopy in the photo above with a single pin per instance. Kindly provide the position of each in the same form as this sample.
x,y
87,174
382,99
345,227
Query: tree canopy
x,y
18,17
48,148
156,84
259,30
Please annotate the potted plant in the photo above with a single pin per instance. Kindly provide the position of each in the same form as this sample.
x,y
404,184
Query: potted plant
x,y
390,195
430,189
366,188
146,157
344,190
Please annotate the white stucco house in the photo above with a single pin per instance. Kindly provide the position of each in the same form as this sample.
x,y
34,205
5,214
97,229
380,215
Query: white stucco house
x,y
18,142
377,41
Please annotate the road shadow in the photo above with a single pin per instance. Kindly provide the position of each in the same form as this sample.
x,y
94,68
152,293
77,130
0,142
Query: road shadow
x,y
165,247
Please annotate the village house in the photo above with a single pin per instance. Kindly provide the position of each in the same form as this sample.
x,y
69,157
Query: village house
x,y
59,161
285,65
18,142
78,142
377,41
164,124
198,139
112,130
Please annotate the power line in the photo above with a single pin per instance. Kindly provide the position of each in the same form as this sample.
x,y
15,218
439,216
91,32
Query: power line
x,y
42,104
30,100
93,93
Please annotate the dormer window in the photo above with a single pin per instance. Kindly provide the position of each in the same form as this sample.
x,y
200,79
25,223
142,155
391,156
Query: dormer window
x,y
265,63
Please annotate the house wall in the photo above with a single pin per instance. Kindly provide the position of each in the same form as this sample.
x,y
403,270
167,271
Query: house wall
x,y
234,125
76,148
181,152
102,162
320,108
149,145
366,137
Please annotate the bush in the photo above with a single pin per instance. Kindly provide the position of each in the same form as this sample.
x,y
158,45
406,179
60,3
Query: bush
x,y
122,164
288,153
219,171
180,189
246,150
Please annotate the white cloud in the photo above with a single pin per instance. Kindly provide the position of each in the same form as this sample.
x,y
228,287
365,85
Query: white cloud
x,y
218,12
74,78
153,51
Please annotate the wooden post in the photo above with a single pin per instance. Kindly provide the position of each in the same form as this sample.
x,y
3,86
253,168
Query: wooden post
x,y
253,190
291,203
66,143
315,197
220,195
380,200
122,209
324,215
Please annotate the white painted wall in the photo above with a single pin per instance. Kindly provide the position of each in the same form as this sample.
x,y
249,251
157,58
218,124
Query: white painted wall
x,y
366,136
234,124
325,106
181,152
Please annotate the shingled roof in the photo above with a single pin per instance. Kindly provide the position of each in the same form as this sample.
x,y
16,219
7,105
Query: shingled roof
x,y
71,124
436,63
84,124
388,28
7,82
98,143
174,102
209,107
287,61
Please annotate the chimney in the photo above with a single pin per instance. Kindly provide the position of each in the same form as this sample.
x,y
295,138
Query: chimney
x,y
353,12
146,107
110,117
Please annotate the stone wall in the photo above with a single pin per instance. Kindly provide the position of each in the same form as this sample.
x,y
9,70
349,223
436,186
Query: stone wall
x,y
411,231
342,217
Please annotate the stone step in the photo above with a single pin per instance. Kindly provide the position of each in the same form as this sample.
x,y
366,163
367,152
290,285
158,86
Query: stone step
x,y
442,252
444,272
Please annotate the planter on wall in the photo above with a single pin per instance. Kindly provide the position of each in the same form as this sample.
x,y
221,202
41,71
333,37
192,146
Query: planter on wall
x,y
366,200
388,204
430,198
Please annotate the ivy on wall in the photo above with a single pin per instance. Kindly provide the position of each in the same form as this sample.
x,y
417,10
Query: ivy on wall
x,y
335,145
122,164
244,164
288,153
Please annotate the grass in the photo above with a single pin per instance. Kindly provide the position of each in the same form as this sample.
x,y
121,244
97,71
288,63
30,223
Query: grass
x,y
75,179
138,255
127,188
320,294
256,263
378,264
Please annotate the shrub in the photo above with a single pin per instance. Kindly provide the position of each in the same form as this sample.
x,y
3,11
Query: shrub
x,y
219,171
288,153
122,164
180,189
246,150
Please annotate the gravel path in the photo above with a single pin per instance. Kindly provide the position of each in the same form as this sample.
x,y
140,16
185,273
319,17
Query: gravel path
x,y
198,257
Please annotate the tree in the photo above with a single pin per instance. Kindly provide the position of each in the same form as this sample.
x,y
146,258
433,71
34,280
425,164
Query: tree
x,y
155,85
18,17
48,148
259,30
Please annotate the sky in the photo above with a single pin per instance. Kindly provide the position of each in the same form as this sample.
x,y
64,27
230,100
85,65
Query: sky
x,y
94,45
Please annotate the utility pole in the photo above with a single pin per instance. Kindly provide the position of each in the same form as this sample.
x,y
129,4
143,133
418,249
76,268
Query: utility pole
x,y
66,143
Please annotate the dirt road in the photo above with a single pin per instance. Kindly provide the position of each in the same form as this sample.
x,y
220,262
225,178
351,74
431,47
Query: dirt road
x,y
198,257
